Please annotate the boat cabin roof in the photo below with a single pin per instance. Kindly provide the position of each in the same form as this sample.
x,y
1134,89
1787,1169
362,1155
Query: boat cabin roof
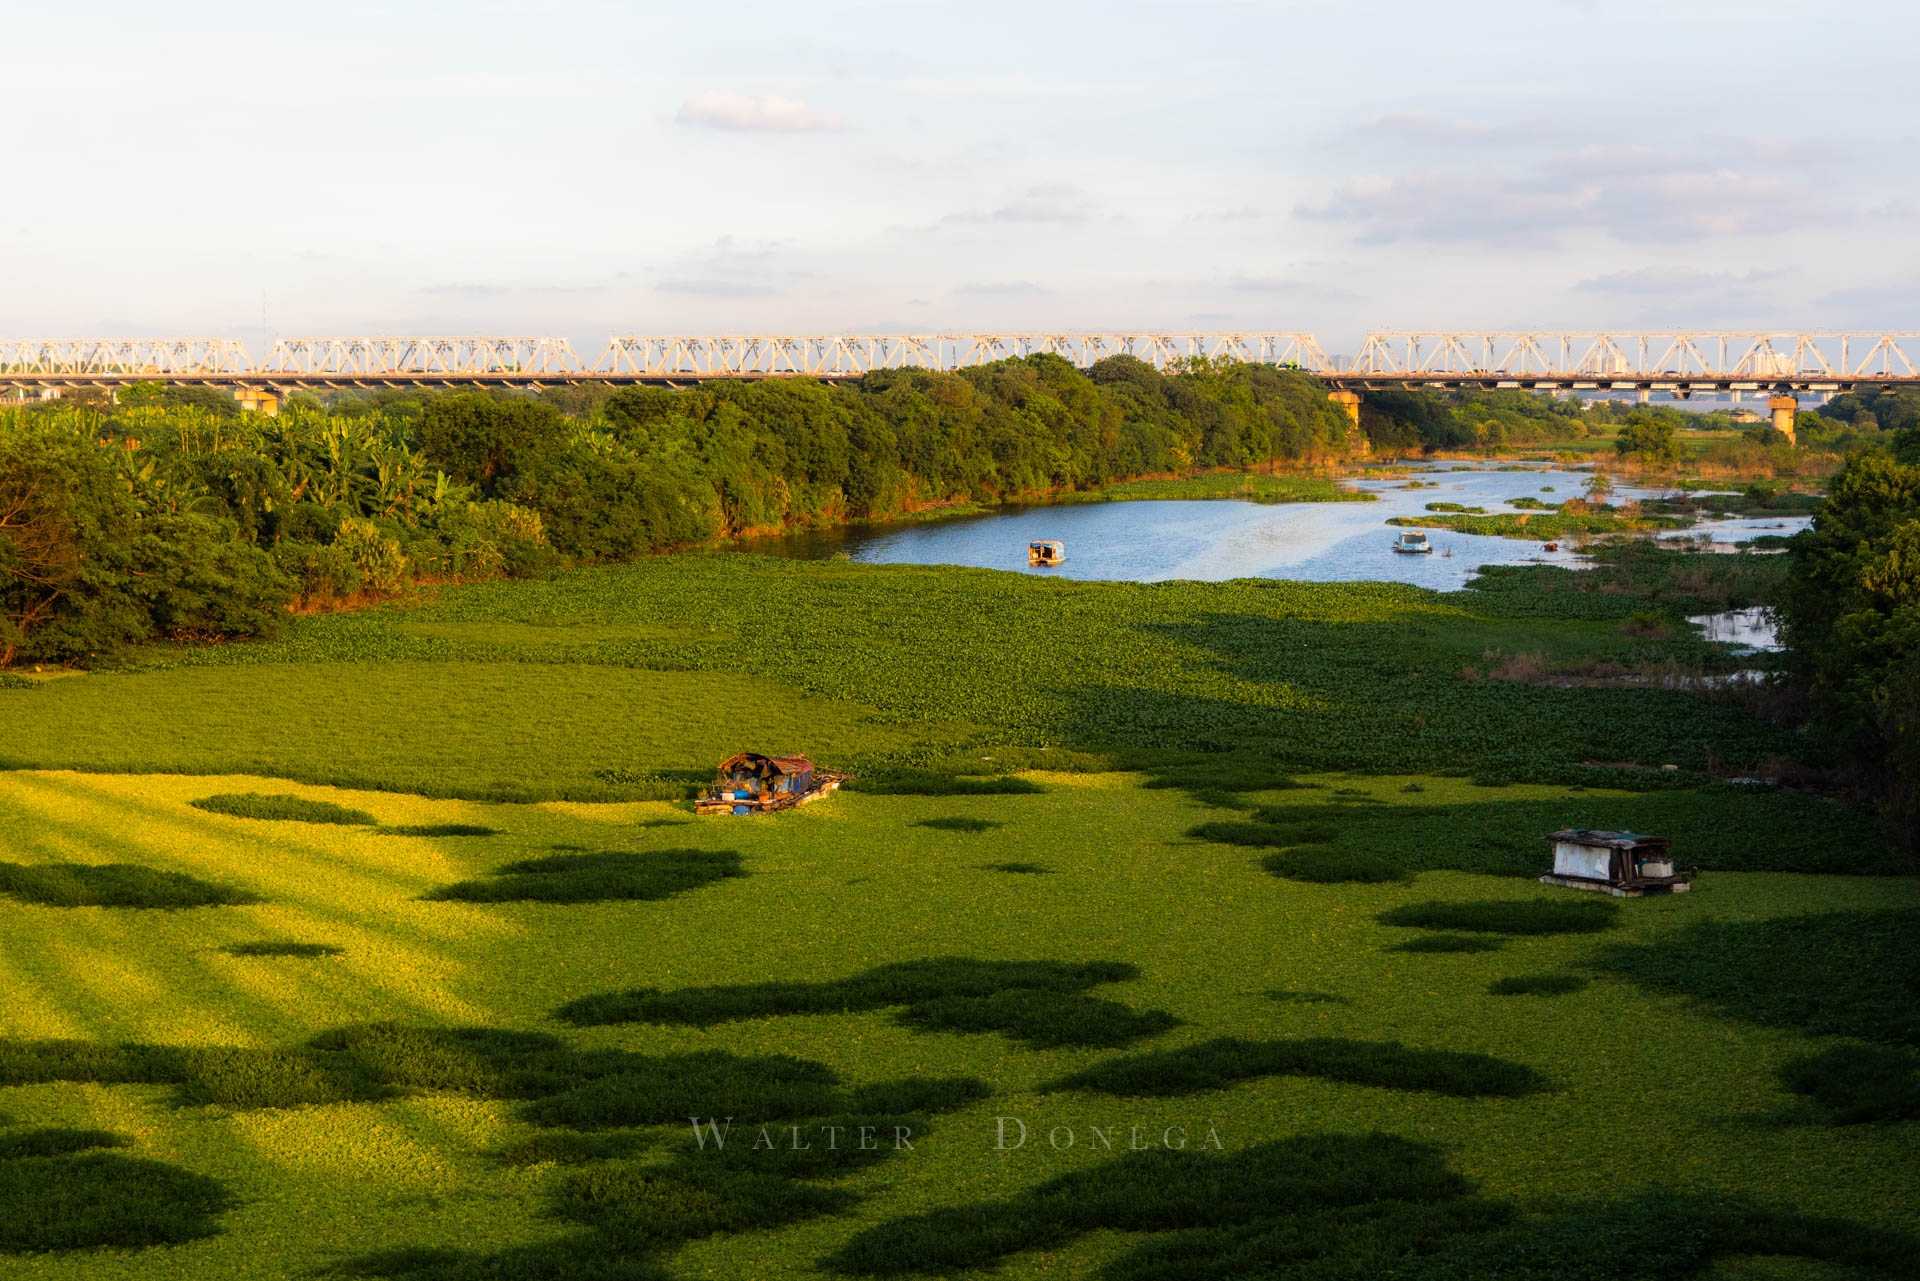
x,y
1610,840
1046,542
759,764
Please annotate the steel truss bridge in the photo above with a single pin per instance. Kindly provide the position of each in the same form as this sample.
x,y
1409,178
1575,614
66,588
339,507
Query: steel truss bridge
x,y
1668,362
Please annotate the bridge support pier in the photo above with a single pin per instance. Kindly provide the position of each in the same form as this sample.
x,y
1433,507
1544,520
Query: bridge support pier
x,y
1349,403
1784,408
260,400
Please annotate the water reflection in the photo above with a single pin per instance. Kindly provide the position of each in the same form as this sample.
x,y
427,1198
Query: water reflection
x,y
1220,539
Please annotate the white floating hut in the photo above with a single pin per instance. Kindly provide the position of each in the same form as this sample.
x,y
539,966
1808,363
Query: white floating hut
x,y
1624,864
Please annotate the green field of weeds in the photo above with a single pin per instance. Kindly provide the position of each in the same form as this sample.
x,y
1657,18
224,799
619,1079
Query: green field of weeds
x,y
1168,931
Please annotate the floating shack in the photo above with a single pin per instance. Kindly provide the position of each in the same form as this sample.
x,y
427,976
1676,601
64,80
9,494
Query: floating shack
x,y
749,783
1623,864
1046,551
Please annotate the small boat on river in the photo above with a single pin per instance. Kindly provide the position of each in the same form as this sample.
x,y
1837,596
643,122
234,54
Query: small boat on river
x,y
1046,552
1412,542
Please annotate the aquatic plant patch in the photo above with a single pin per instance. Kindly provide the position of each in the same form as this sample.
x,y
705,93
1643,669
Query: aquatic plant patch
x,y
1759,972
1857,1084
1537,985
61,1191
113,885
440,829
1019,869
1438,944
271,947
972,826
598,877
1216,1064
1519,917
1041,1003
280,808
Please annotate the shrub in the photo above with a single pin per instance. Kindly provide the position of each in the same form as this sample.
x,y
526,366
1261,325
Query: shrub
x,y
927,783
279,808
1213,1065
1517,917
376,556
1041,1019
440,829
593,878
112,885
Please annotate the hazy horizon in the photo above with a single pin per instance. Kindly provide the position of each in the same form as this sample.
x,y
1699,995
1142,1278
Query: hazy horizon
x,y
509,168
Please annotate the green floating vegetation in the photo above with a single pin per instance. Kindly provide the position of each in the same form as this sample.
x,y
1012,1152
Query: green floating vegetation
x,y
1438,943
56,1141
596,878
958,824
1537,985
440,829
1017,868
1351,1206
1216,1064
268,947
1327,866
1041,1003
280,808
1513,917
1759,972
1286,997
1857,1084
1556,524
929,783
59,1192
113,885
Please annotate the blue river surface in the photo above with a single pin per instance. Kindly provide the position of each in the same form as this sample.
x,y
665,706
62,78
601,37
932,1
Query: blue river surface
x,y
1215,539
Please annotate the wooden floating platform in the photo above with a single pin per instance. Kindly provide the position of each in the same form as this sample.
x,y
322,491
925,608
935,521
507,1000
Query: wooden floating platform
x,y
1677,885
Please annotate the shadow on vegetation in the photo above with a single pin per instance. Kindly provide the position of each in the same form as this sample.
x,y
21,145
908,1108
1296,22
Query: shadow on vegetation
x,y
958,824
1038,1002
1856,1084
884,782
1432,943
1350,1206
60,1190
1213,1065
1782,972
113,885
440,829
1019,869
1285,997
769,1136
1517,917
1537,985
269,948
1714,828
593,878
281,808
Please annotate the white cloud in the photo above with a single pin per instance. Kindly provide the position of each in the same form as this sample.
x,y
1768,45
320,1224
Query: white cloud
x,y
750,113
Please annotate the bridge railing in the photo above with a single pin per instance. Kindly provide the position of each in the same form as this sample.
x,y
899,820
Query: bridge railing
x,y
83,357
1758,354
396,355
854,354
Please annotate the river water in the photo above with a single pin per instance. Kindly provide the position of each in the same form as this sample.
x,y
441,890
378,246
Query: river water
x,y
1213,539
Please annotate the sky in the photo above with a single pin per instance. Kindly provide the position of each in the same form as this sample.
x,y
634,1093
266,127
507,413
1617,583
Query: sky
x,y
585,169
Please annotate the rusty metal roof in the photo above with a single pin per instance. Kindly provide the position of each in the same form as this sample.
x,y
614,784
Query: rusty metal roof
x,y
1608,840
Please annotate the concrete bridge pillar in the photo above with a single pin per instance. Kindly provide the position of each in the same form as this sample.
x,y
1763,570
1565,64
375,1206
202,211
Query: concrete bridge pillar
x,y
261,400
1784,408
1349,402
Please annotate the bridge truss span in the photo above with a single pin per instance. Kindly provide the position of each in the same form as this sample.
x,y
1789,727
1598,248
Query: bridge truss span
x,y
85,358
403,357
852,355
1643,356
